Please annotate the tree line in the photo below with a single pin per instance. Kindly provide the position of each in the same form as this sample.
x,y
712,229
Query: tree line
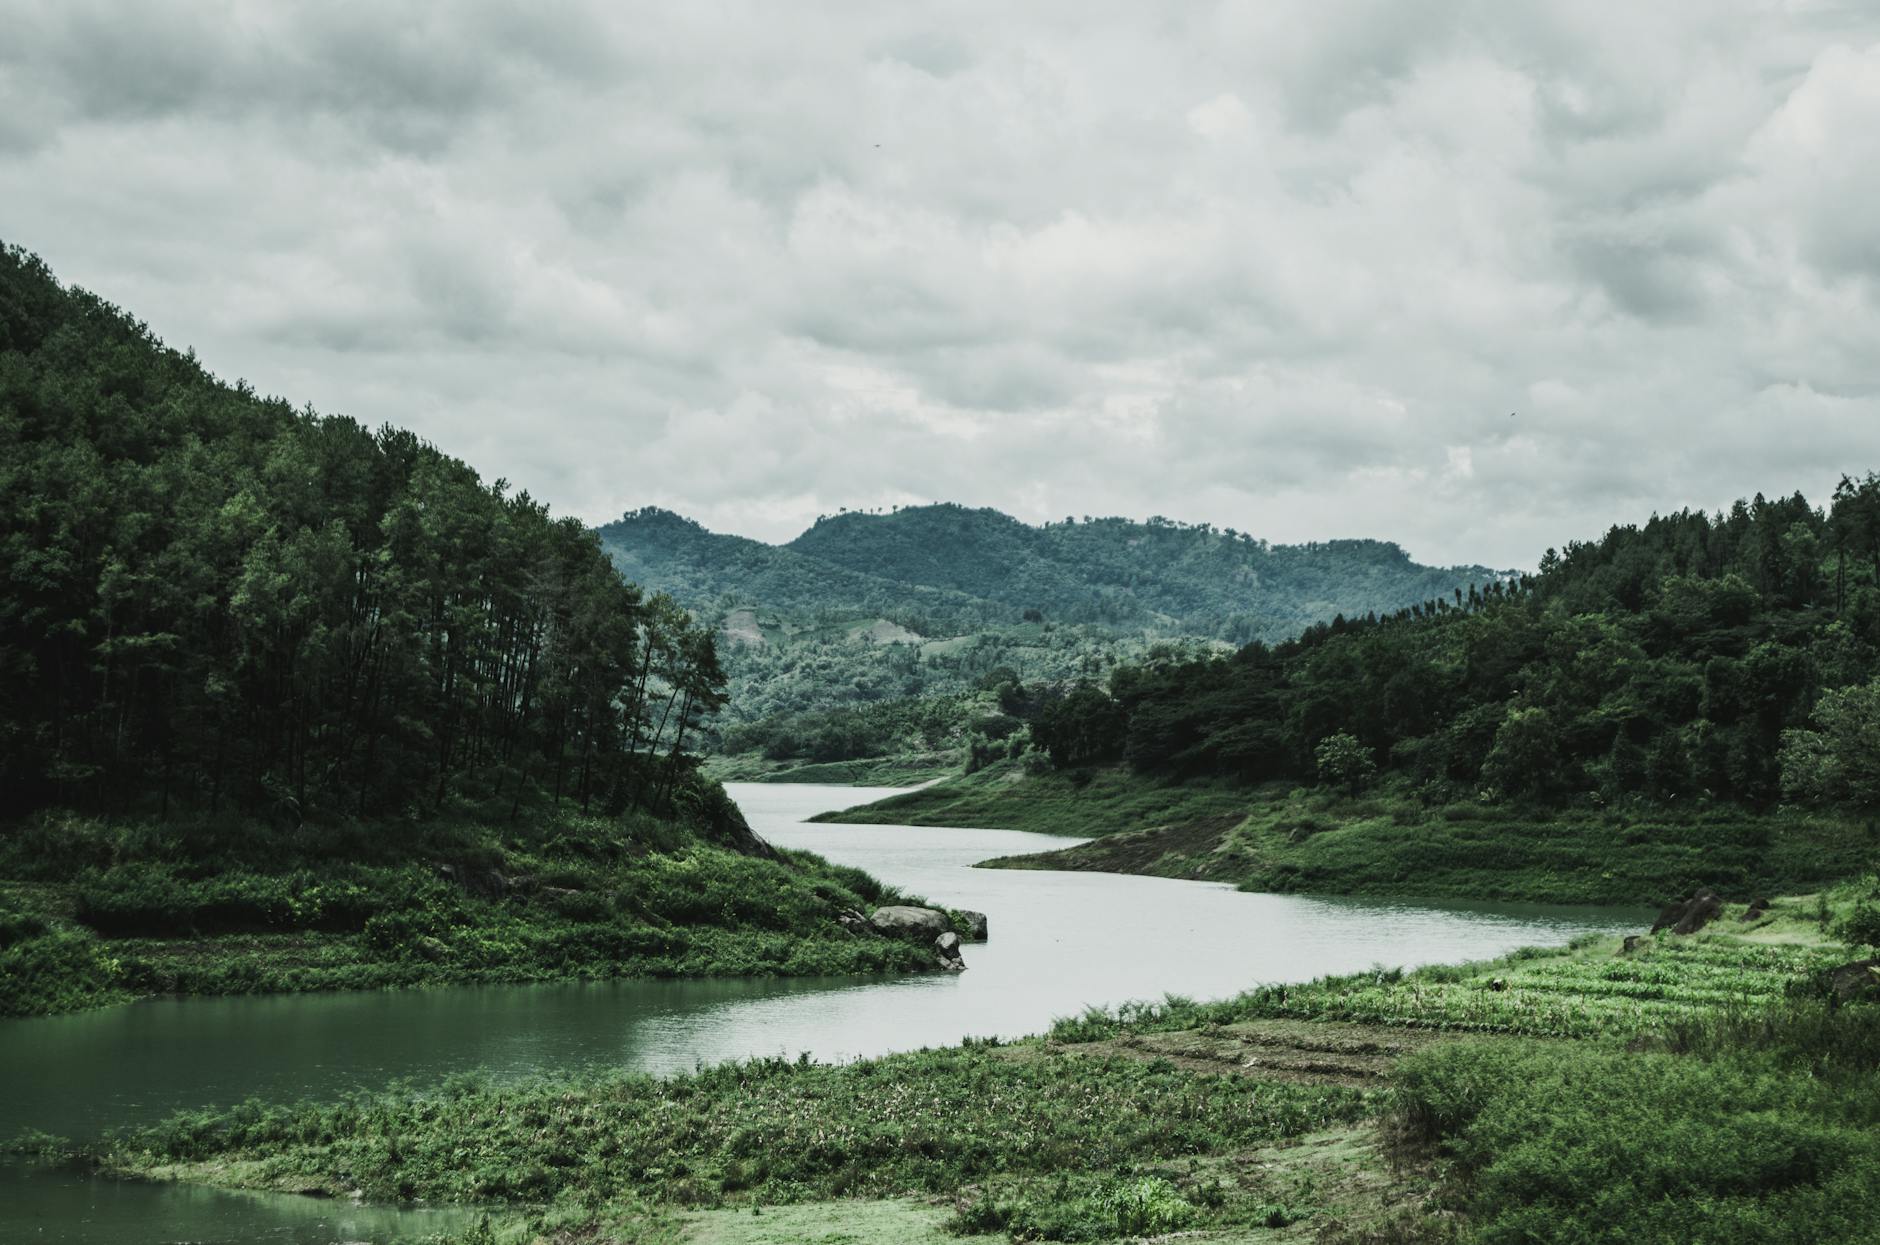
x,y
1727,657
213,601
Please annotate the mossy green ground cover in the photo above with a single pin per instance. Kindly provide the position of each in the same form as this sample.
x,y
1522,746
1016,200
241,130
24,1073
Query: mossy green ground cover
x,y
1589,990
1046,1147
1692,1089
889,771
93,912
1286,839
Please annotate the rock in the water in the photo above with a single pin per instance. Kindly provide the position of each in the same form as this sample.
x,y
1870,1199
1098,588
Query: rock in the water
x,y
975,925
905,921
1858,980
946,949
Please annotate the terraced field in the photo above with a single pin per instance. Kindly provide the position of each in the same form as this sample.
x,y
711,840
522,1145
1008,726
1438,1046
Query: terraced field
x,y
1593,989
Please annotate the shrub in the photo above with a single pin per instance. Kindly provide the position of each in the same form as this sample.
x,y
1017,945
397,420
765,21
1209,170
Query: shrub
x,y
59,970
1146,1206
1558,1143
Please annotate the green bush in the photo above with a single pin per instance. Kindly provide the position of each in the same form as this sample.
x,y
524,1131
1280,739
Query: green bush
x,y
56,971
1578,1143
1146,1206
17,927
1861,926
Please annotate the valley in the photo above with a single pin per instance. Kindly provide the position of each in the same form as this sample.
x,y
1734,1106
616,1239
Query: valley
x,y
384,857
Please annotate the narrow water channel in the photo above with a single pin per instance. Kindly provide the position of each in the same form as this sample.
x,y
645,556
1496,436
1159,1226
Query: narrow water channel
x,y
1059,942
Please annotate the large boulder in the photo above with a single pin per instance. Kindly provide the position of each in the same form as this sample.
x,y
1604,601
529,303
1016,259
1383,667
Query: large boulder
x,y
1687,916
1701,911
905,921
1669,915
1858,980
975,925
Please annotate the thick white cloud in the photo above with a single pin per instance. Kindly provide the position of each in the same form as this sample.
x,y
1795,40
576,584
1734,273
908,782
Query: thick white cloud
x,y
1284,267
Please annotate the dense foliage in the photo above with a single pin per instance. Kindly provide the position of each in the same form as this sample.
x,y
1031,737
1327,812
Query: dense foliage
x,y
1770,1134
946,570
210,599
1697,657
1195,579
291,705
933,602
92,911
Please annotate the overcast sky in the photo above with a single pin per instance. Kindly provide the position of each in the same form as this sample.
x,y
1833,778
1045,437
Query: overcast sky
x,y
1476,277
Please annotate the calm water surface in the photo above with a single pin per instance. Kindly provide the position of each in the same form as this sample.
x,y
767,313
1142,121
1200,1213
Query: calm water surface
x,y
1059,942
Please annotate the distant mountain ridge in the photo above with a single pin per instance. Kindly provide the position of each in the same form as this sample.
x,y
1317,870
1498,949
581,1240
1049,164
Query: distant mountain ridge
x,y
946,568
706,570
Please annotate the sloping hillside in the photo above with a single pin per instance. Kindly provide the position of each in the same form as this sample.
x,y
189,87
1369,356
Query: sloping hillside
x,y
927,611
1188,579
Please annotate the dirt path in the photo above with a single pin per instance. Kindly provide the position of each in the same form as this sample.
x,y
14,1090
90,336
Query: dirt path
x,y
1303,1052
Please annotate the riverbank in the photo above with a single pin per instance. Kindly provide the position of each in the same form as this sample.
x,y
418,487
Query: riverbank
x,y
1427,1105
95,912
1388,845
900,770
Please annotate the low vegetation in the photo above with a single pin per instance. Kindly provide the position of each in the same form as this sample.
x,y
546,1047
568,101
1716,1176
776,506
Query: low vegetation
x,y
95,911
1684,1088
1386,843
1766,1133
1061,1149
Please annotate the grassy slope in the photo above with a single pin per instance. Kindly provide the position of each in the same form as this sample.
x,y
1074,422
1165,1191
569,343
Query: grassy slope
x,y
1281,839
95,912
904,770
1240,1121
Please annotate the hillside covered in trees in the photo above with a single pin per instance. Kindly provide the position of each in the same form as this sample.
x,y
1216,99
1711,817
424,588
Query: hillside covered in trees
x,y
1678,680
275,676
1189,579
938,569
838,640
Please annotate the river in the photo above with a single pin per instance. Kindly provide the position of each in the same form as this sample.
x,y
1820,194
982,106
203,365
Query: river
x,y
1059,942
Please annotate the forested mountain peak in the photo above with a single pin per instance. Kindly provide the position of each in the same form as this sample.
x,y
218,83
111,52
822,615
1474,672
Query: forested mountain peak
x,y
950,563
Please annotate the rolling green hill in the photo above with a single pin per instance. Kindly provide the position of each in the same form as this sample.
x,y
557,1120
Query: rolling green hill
x,y
1179,578
836,641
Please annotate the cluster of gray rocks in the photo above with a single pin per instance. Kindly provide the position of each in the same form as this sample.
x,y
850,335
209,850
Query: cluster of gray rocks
x,y
928,926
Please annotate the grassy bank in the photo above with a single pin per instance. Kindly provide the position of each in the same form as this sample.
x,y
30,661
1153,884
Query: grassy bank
x,y
901,770
1008,796
94,912
1049,1147
1689,1089
1288,839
